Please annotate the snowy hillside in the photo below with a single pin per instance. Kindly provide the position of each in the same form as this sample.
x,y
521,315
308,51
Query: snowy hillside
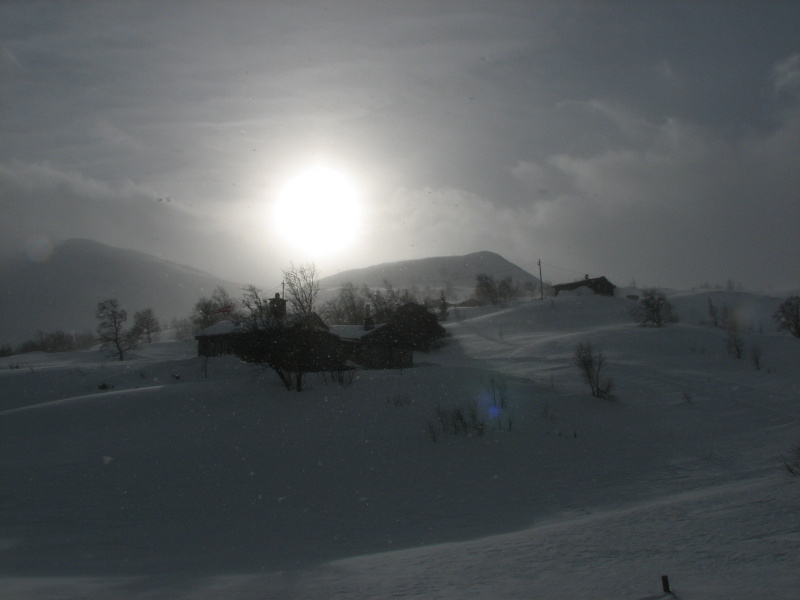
x,y
62,292
456,274
170,484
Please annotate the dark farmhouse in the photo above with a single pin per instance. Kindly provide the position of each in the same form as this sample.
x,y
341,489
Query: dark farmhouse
x,y
599,285
218,339
379,348
315,349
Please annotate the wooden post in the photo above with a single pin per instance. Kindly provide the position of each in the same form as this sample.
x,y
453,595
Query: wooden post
x,y
541,282
665,584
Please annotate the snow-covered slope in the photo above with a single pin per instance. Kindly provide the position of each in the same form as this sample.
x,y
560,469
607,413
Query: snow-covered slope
x,y
171,484
62,292
453,273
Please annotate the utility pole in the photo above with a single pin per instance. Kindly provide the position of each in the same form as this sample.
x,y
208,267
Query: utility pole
x,y
541,281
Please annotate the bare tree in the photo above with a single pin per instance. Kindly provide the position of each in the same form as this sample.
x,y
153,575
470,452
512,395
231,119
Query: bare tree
x,y
112,334
302,288
145,325
590,362
255,308
713,313
792,462
734,341
348,308
507,289
788,315
486,291
654,309
208,311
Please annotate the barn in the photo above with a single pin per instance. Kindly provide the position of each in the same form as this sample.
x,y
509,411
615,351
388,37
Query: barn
x,y
599,285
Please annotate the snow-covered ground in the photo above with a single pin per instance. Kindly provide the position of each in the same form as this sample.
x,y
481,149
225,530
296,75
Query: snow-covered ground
x,y
168,483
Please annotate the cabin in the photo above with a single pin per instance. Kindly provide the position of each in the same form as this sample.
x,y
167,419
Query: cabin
x,y
599,285
298,349
380,347
218,339
317,347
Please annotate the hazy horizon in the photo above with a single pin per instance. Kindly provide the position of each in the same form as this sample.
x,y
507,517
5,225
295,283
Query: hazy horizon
x,y
648,142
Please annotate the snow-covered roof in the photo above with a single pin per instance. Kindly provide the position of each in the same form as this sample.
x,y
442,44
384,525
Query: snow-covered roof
x,y
221,328
352,332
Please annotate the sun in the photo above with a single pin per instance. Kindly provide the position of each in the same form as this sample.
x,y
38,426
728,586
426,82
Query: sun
x,y
318,211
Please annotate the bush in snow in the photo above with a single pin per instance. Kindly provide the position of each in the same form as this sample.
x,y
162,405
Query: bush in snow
x,y
734,340
788,315
713,313
654,309
792,462
755,355
590,362
466,419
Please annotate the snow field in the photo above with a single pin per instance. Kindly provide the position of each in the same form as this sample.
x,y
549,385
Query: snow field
x,y
173,485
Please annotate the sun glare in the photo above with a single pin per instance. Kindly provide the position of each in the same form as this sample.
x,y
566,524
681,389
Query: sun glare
x,y
318,211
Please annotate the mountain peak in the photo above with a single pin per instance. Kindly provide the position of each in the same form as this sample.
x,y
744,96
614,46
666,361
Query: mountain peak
x,y
62,291
455,273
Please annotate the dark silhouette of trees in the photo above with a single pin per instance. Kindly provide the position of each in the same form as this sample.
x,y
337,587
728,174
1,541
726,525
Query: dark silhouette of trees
x,y
788,315
302,289
416,326
291,352
486,289
218,307
145,325
111,331
255,311
386,301
654,309
347,308
489,291
56,341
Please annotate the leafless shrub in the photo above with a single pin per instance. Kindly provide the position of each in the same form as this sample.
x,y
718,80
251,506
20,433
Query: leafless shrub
x,y
788,316
432,431
591,362
458,420
498,390
755,355
734,340
713,313
441,414
466,419
792,462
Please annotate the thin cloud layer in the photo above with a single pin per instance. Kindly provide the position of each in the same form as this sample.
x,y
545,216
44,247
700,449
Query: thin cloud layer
x,y
648,141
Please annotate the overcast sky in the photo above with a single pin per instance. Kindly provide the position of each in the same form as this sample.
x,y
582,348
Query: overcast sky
x,y
649,141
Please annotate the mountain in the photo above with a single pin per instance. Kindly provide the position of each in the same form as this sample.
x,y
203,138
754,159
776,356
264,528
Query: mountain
x,y
63,291
453,273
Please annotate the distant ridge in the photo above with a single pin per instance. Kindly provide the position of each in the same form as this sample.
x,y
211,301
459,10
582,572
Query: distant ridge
x,y
63,291
441,272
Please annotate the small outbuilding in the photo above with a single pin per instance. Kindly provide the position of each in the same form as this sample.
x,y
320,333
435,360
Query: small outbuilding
x,y
217,339
378,348
599,285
